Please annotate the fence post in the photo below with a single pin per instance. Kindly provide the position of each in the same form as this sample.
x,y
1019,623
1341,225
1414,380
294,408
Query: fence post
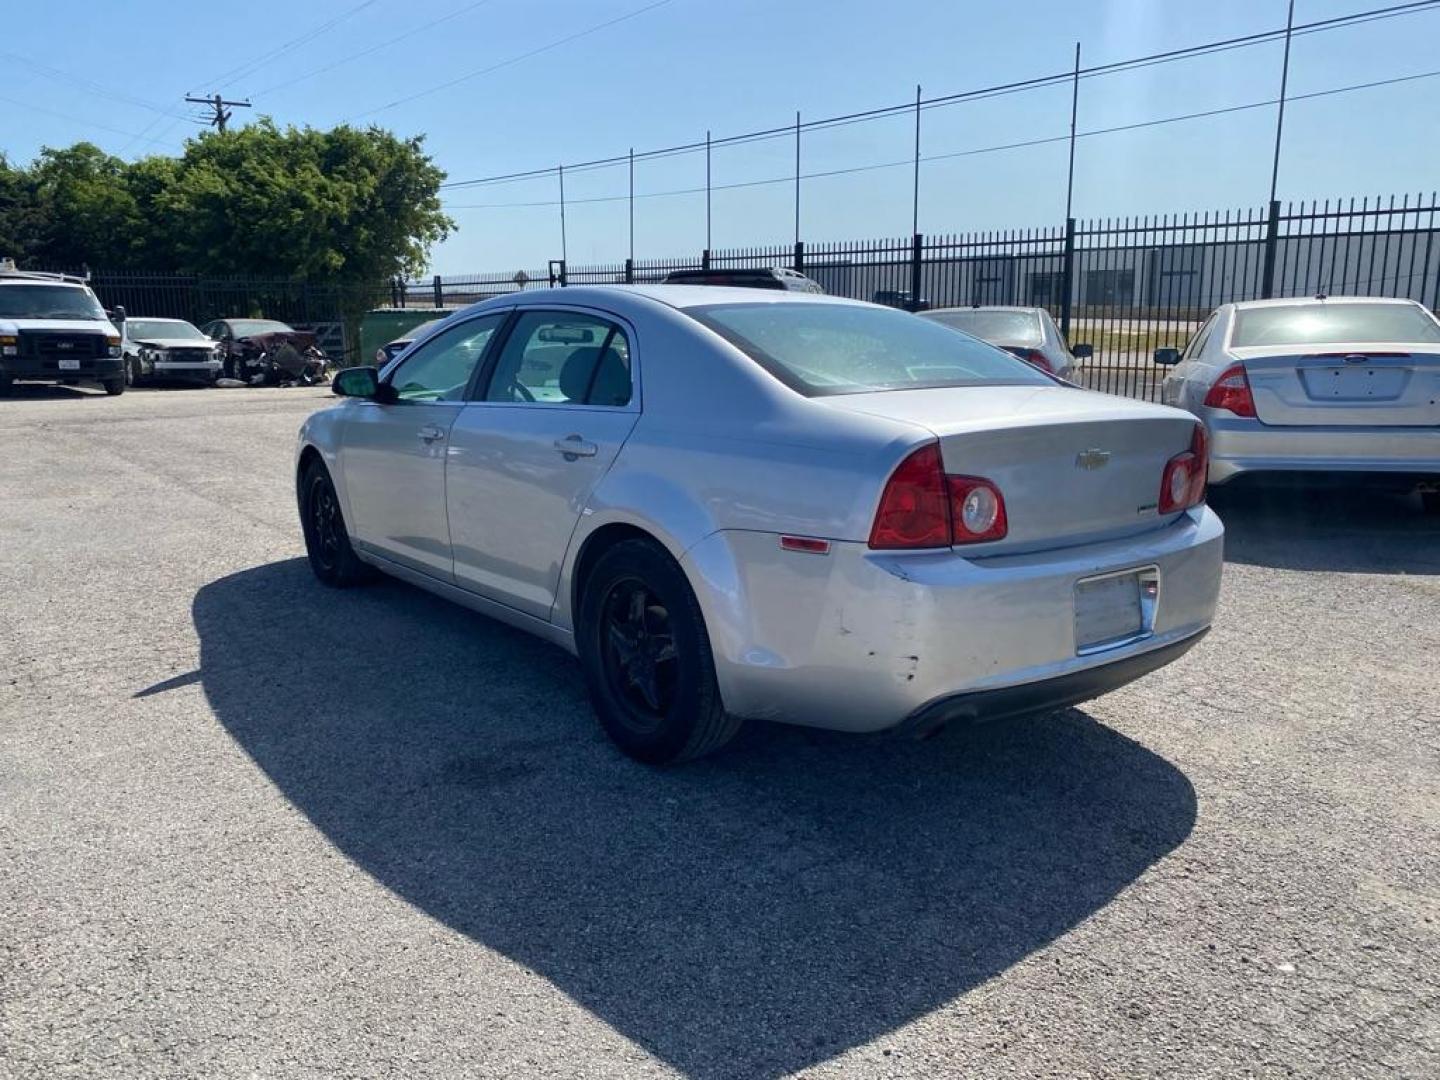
x,y
916,247
629,271
705,259
1067,280
439,293
799,256
1272,238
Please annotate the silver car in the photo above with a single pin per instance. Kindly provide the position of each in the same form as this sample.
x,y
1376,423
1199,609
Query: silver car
x,y
1028,332
736,503
168,349
1322,385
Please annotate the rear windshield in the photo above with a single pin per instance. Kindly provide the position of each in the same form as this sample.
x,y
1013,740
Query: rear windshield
x,y
141,329
820,349
49,302
250,327
1002,327
1319,324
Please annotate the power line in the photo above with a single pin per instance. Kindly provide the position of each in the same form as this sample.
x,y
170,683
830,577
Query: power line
x,y
381,47
1002,89
88,85
515,60
790,177
250,67
75,119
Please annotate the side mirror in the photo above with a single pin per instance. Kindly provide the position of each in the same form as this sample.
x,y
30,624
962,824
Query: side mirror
x,y
1167,356
357,382
1082,351
119,313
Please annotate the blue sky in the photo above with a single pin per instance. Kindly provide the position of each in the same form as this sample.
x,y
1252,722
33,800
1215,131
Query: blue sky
x,y
667,74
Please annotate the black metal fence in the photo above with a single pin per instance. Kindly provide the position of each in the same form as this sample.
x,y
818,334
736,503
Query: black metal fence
x,y
1126,286
332,311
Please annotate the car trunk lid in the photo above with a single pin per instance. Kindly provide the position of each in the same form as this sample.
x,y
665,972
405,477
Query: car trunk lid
x,y
1073,466
1347,384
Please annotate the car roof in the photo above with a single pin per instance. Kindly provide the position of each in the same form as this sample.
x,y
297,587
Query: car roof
x,y
6,279
982,307
1304,301
156,318
680,297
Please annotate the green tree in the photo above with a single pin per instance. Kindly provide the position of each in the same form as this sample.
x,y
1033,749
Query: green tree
x,y
346,206
21,220
89,216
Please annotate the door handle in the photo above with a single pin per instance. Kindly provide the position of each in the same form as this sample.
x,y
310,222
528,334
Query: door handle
x,y
573,446
431,433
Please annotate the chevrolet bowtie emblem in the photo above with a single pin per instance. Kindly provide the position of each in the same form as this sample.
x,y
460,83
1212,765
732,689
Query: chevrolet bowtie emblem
x,y
1092,459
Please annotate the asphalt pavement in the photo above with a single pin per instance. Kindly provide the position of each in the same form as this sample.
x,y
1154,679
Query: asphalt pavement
x,y
252,827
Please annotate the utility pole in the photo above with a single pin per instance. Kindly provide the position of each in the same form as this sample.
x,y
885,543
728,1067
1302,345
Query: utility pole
x,y
1284,84
219,109
915,196
1074,112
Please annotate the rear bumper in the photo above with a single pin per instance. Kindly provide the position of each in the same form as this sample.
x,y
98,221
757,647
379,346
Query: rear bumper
x,y
1239,445
1060,692
858,640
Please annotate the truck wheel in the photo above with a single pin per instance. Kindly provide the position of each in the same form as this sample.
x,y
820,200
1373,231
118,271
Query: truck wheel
x,y
114,387
6,385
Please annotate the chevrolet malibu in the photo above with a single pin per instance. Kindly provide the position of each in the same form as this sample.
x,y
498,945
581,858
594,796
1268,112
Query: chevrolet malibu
x,y
737,504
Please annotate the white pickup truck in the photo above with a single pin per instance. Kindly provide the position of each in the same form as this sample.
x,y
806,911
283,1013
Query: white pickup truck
x,y
53,329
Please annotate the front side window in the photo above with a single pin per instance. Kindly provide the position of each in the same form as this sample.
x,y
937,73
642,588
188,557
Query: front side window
x,y
440,369
50,302
1322,323
820,349
563,358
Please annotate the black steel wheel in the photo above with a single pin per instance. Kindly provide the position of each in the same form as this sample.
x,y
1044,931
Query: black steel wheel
x,y
647,659
327,542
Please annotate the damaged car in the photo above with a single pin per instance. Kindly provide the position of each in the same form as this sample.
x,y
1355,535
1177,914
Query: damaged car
x,y
167,350
266,352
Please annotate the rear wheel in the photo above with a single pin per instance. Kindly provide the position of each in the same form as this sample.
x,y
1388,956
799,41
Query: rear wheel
x,y
327,543
647,660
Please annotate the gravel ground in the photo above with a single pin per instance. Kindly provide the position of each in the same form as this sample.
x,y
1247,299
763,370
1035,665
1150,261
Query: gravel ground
x,y
253,827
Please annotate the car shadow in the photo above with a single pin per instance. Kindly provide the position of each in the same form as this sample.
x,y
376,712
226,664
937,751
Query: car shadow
x,y
1346,528
22,391
745,915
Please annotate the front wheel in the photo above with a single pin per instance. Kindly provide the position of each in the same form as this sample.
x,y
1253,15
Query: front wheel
x,y
647,659
327,543
114,387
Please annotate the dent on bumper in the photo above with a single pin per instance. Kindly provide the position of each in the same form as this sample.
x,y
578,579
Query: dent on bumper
x,y
860,641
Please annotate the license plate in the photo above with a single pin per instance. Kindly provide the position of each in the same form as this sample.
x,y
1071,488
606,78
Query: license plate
x,y
1108,610
1354,383
69,365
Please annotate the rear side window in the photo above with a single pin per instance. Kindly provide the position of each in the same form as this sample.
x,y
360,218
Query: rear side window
x,y
1322,323
820,349
1001,327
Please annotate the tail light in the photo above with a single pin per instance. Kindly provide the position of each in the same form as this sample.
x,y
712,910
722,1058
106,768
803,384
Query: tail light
x,y
1033,357
922,507
1232,391
1183,483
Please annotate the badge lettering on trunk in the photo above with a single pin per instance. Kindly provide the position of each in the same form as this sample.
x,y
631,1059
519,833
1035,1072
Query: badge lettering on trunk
x,y
1092,459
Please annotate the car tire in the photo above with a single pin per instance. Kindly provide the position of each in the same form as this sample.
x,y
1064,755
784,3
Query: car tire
x,y
327,542
114,387
7,385
646,657
132,372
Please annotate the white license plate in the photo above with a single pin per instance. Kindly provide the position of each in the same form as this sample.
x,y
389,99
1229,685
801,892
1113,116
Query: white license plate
x,y
69,365
1107,610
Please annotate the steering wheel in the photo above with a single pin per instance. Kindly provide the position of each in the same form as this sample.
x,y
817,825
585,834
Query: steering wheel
x,y
523,391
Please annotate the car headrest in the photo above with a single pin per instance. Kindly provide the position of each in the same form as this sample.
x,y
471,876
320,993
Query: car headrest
x,y
610,384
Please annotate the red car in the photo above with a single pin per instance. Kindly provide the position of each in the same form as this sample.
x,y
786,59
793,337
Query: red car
x,y
267,352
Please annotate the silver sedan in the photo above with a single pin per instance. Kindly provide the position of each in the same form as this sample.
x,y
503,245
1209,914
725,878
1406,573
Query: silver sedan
x,y
741,504
1028,332
1341,385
